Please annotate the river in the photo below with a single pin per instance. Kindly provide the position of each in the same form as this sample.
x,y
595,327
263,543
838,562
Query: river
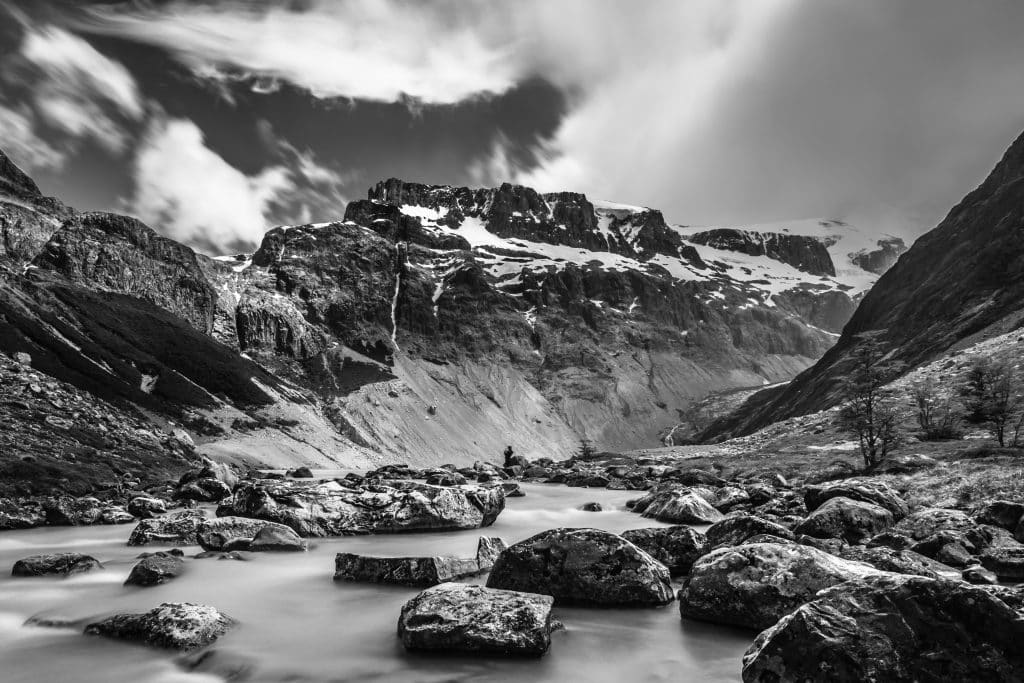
x,y
296,624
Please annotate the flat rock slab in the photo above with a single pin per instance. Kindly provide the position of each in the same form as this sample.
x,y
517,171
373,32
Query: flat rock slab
x,y
56,564
173,625
415,571
587,566
455,617
223,533
176,528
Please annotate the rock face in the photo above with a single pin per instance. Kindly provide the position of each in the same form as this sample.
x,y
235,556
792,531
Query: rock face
x,y
329,509
155,569
676,547
808,254
173,625
585,566
969,269
881,259
755,585
62,564
850,520
458,618
892,629
416,571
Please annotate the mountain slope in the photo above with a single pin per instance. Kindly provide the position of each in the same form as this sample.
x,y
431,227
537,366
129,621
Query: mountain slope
x,y
965,277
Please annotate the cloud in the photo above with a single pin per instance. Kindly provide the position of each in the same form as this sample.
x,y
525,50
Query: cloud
x,y
76,89
21,143
381,50
190,193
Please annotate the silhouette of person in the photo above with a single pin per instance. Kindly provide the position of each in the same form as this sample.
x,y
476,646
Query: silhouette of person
x,y
508,456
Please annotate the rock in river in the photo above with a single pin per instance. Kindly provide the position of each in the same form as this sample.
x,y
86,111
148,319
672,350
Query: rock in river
x,y
892,629
155,569
457,617
176,528
853,521
416,571
62,564
172,625
679,507
676,547
583,566
755,585
217,534
326,508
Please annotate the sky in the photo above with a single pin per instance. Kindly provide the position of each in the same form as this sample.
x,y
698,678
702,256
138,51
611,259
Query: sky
x,y
214,121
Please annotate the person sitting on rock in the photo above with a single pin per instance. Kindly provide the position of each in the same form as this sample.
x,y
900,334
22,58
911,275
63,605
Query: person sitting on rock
x,y
508,456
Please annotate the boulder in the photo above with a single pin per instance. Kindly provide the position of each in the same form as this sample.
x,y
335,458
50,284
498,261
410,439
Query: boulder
x,y
71,511
115,514
586,566
145,507
949,547
680,507
218,533
155,569
62,564
176,528
302,473
851,520
416,571
591,507
207,490
890,628
276,538
923,523
738,528
897,561
446,478
1007,562
980,576
455,617
865,491
676,547
326,508
754,585
173,625
1001,513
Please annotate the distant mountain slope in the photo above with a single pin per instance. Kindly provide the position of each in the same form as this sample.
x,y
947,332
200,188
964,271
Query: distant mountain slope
x,y
964,277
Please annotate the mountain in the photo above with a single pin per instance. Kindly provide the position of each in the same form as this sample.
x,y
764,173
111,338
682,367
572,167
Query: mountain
x,y
962,281
429,324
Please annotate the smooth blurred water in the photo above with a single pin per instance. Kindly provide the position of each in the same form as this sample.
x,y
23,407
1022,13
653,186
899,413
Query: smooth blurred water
x,y
296,624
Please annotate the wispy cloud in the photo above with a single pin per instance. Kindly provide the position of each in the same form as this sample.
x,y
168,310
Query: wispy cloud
x,y
21,143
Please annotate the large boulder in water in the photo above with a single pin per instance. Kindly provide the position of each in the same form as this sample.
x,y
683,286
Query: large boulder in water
x,y
853,521
587,566
754,585
416,571
865,491
892,629
676,547
173,625
326,508
217,534
459,618
146,507
176,528
61,564
277,538
155,569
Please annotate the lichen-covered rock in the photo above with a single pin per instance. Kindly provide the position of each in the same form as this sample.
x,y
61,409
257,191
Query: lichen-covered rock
x,y
865,491
676,547
924,523
176,528
850,520
155,569
145,507
738,528
680,507
892,629
582,566
277,538
754,585
898,561
62,564
325,508
459,618
216,534
416,571
71,511
173,625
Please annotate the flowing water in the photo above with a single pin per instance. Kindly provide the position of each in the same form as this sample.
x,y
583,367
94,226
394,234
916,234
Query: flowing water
x,y
296,624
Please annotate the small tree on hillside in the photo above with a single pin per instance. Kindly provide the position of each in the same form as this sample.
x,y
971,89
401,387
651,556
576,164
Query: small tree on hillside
x,y
866,411
936,411
586,450
991,393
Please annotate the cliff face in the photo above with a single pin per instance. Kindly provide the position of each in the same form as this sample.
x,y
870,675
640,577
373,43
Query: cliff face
x,y
960,279
808,254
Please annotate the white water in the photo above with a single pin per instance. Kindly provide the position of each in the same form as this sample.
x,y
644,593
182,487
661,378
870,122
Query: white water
x,y
394,298
298,625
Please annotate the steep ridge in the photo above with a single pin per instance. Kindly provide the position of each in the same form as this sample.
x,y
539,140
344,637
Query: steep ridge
x,y
431,324
963,278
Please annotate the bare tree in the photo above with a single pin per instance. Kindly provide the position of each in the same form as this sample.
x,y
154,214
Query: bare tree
x,y
867,412
991,393
937,412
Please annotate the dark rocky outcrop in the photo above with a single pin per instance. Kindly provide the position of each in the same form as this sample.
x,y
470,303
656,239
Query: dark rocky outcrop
x,y
881,259
180,626
892,629
585,566
809,254
454,617
61,564
155,569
